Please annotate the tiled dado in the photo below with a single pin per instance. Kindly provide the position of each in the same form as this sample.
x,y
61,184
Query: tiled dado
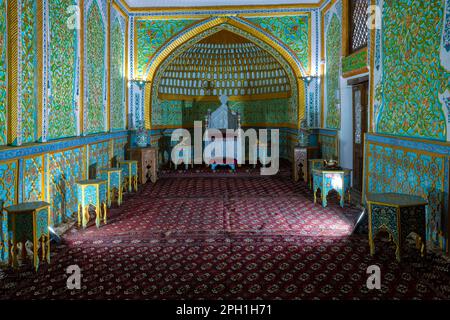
x,y
49,171
416,167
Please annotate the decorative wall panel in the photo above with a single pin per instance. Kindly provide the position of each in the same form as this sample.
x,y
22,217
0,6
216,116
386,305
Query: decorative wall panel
x,y
355,62
118,109
3,72
99,155
95,62
119,148
329,146
412,77
294,31
333,44
62,59
33,179
28,72
178,113
151,35
65,168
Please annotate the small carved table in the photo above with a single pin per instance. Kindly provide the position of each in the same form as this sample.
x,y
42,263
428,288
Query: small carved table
x,y
399,215
327,180
130,174
300,163
115,183
29,222
91,192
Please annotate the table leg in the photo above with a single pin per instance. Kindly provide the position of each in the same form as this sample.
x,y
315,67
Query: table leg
x,y
110,194
80,212
43,246
421,245
398,252
86,217
371,242
120,192
342,202
35,255
136,184
104,213
324,199
48,249
98,215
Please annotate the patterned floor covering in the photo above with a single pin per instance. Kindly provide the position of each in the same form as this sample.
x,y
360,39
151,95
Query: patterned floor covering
x,y
197,235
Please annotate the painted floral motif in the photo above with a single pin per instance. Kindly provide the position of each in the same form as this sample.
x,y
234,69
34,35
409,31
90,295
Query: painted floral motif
x,y
99,155
117,77
28,52
95,68
62,72
33,179
65,168
3,72
119,149
291,30
152,34
413,77
333,56
354,62
446,37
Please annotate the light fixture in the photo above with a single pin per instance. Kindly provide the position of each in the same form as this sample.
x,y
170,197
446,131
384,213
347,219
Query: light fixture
x,y
307,79
139,82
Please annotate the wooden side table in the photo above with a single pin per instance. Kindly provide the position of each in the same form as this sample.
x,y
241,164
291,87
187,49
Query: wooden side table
x,y
327,180
147,159
399,215
91,192
113,176
29,222
130,174
300,163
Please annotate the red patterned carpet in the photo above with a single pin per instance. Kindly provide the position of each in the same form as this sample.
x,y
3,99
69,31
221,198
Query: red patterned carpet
x,y
227,236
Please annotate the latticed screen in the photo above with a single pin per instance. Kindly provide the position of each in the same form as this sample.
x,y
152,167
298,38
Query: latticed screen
x,y
358,24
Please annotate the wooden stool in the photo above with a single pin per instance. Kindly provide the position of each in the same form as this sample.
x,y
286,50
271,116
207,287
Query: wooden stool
x,y
115,183
399,215
91,192
130,174
29,222
327,180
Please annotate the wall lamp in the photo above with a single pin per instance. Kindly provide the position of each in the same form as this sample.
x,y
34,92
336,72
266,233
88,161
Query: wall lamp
x,y
139,82
308,79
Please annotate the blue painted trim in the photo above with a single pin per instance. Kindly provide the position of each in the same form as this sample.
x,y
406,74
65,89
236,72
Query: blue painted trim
x,y
410,143
17,152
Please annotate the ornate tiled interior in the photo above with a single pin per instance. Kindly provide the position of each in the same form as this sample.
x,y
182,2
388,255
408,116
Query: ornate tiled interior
x,y
82,82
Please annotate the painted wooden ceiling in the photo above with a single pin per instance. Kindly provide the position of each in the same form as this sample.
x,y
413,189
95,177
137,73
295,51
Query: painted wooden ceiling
x,y
211,3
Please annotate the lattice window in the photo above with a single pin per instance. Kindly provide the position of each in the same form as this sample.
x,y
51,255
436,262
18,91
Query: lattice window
x,y
358,24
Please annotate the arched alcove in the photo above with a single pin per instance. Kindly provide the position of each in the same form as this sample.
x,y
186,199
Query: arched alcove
x,y
194,35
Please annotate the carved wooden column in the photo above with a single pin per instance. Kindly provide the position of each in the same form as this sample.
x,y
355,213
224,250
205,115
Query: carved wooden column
x,y
147,163
300,162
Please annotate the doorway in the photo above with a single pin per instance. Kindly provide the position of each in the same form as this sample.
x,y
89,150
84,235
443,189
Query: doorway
x,y
359,102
